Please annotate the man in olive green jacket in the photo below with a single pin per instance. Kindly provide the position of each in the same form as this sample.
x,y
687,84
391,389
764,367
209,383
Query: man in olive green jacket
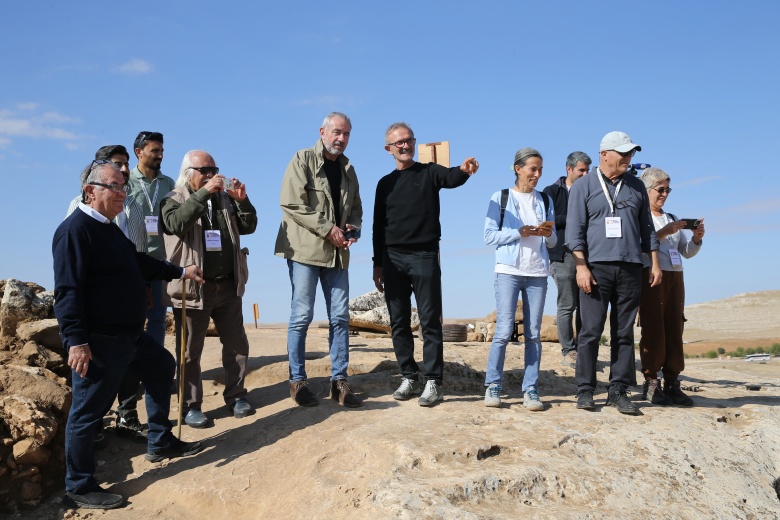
x,y
203,218
321,218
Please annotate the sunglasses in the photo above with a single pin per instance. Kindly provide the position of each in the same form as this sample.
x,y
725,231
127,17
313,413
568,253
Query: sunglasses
x,y
147,136
663,190
209,171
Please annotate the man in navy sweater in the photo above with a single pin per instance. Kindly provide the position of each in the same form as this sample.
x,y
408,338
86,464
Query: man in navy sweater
x,y
100,303
406,257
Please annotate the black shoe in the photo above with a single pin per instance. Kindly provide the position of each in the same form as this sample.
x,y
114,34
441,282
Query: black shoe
x,y
95,499
585,400
653,393
299,391
128,426
196,419
176,448
241,408
340,391
619,398
672,389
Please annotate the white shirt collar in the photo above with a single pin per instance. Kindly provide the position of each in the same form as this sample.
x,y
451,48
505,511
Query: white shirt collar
x,y
93,213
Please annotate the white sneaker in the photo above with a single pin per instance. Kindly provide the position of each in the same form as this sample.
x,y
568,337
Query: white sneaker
x,y
431,395
532,402
493,396
408,388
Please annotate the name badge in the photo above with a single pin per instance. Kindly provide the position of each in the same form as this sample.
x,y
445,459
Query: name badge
x,y
612,225
213,240
674,255
151,226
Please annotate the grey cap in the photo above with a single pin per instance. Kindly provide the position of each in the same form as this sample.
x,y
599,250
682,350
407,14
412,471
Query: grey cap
x,y
619,142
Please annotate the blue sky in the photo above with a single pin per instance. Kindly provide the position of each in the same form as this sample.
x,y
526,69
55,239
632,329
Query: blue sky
x,y
694,83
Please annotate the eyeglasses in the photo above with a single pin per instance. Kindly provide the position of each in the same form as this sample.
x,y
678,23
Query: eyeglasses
x,y
208,171
629,153
663,190
116,188
399,144
147,136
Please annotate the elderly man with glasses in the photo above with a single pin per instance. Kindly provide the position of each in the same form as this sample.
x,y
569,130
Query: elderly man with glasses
x,y
203,218
406,258
100,303
608,227
321,218
147,188
131,221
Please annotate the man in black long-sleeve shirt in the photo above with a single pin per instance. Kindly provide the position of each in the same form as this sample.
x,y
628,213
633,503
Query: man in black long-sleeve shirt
x,y
100,303
406,257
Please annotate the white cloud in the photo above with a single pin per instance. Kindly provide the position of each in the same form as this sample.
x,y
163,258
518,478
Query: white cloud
x,y
27,122
756,207
134,68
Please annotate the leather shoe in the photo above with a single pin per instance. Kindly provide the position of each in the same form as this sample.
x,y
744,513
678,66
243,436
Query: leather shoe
x,y
196,419
585,400
340,391
241,408
300,393
175,448
95,499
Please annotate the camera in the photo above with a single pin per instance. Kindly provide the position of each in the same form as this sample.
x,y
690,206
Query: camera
x,y
227,184
351,233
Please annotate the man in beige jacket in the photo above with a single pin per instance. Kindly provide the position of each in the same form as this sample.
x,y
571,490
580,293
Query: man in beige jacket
x,y
321,219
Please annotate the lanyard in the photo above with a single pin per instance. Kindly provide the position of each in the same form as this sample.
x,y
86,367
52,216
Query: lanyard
x,y
606,191
208,214
146,193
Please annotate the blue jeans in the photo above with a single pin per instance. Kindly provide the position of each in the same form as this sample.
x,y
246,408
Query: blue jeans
x,y
93,395
155,317
335,289
534,290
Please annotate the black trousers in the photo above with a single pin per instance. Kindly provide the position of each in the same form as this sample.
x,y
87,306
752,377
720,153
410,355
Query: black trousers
x,y
419,272
618,286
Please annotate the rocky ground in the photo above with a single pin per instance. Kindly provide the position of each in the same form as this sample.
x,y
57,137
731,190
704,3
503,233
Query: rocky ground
x,y
391,459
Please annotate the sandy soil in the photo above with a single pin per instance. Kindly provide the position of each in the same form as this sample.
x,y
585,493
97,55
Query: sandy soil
x,y
391,459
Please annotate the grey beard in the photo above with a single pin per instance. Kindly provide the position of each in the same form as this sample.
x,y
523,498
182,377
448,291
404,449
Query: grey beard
x,y
331,150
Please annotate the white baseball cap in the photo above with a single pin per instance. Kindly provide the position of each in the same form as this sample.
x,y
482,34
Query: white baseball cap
x,y
619,142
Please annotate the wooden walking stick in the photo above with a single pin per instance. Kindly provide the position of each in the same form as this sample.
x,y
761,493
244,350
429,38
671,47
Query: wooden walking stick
x,y
182,351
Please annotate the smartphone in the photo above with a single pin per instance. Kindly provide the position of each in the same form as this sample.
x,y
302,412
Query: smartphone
x,y
691,223
352,233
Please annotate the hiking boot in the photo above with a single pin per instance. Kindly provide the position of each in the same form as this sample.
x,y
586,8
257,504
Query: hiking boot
x,y
95,499
408,388
651,390
493,396
570,359
673,391
300,393
175,448
128,426
531,400
431,395
619,398
340,391
585,400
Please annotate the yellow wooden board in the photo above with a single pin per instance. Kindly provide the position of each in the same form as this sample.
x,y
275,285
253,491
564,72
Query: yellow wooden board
x,y
438,153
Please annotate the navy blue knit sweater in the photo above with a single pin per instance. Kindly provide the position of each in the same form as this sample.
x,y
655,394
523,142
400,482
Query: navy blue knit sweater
x,y
99,279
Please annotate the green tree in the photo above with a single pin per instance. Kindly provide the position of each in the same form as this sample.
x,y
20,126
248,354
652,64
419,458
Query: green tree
x,y
711,354
721,350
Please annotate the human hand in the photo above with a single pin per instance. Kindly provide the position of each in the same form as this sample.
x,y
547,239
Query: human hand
x,y
698,233
585,280
655,275
379,279
470,166
528,231
239,190
193,272
78,359
336,237
215,184
670,229
352,239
